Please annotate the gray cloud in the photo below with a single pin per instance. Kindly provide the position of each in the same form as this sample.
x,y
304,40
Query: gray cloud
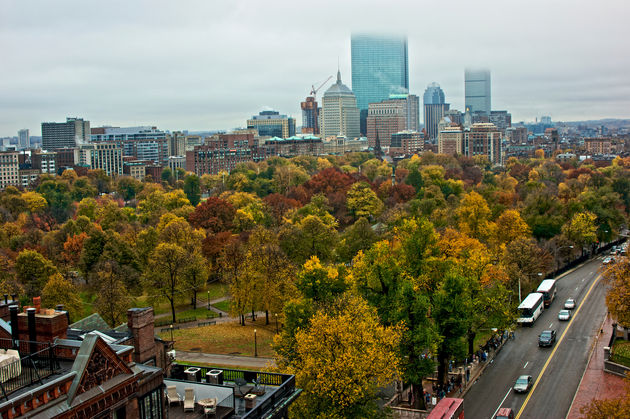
x,y
213,64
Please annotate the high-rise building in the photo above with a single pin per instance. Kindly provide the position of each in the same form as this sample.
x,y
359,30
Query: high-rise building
x,y
73,132
310,119
143,143
176,144
340,115
477,87
9,169
102,155
450,139
380,67
44,161
24,140
272,124
434,108
406,143
483,139
398,113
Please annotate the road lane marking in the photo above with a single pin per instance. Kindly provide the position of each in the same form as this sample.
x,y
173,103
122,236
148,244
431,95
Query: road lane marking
x,y
553,352
550,324
525,364
576,288
506,394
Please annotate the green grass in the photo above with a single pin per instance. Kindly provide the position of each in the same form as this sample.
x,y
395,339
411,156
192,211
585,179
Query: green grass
x,y
216,290
87,299
621,352
223,305
200,313
219,366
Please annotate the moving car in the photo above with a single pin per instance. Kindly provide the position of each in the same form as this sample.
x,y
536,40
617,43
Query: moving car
x,y
523,384
564,315
547,338
505,413
608,260
569,304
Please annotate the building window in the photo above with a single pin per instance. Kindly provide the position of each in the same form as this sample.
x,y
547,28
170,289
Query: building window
x,y
151,405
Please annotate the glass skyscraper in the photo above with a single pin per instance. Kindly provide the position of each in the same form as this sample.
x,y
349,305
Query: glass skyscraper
x,y
380,67
477,86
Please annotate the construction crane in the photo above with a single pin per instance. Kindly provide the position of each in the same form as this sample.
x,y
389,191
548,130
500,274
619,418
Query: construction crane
x,y
314,90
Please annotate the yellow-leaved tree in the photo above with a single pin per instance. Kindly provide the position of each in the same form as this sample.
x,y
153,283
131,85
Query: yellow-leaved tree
x,y
342,358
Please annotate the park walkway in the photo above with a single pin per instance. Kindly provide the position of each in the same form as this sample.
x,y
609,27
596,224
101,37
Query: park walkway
x,y
225,360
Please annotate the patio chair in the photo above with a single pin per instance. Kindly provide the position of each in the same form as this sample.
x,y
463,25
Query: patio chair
x,y
189,400
210,408
172,395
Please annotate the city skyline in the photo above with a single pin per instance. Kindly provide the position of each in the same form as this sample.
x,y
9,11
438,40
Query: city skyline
x,y
212,66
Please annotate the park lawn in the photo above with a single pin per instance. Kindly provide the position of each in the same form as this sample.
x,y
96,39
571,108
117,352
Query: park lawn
x,y
219,366
225,338
182,304
223,305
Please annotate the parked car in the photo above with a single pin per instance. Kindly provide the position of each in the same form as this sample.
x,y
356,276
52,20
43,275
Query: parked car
x,y
569,304
523,384
564,315
547,338
608,260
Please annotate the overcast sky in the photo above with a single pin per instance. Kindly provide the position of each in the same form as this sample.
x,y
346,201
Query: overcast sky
x,y
211,64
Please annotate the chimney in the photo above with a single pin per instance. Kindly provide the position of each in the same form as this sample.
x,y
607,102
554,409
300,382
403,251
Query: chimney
x,y
14,298
32,334
37,302
15,332
6,298
140,324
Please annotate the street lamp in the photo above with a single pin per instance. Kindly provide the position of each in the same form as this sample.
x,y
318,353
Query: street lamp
x,y
208,299
255,346
555,255
171,327
276,314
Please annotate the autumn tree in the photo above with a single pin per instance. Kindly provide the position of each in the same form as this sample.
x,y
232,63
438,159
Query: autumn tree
x,y
363,202
346,344
164,272
581,229
59,290
309,236
618,296
128,187
33,271
195,274
474,216
214,214
112,298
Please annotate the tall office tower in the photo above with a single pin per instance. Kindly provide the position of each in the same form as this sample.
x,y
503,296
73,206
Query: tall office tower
x,y
477,86
434,109
24,140
271,123
483,139
380,67
73,132
340,115
176,144
398,113
310,120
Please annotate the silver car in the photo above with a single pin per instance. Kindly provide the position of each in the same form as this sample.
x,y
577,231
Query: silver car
x,y
569,304
523,383
564,315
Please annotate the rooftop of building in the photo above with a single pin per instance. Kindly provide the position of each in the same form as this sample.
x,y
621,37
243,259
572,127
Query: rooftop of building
x,y
338,89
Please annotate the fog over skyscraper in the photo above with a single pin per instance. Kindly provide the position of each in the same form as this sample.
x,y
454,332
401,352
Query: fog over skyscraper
x,y
477,86
380,67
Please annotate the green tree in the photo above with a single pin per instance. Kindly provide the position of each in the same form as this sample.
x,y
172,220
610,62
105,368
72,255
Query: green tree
x,y
112,299
581,229
33,271
128,187
192,189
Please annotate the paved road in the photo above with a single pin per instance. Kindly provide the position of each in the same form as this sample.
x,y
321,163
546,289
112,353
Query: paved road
x,y
563,364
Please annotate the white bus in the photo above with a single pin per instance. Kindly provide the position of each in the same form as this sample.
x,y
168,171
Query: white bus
x,y
531,307
548,289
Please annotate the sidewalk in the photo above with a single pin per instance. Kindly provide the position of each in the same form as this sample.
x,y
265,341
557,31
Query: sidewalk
x,y
225,360
597,384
